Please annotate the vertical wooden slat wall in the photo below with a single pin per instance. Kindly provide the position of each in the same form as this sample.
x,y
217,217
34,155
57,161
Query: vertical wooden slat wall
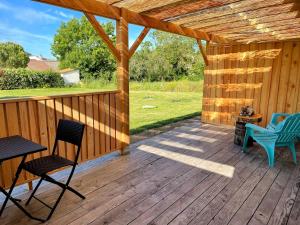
x,y
37,119
265,76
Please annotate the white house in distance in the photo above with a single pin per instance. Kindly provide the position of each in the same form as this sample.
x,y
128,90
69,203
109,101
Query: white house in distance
x,y
70,76
38,63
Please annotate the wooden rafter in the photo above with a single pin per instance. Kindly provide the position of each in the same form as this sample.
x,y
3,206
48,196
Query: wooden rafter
x,y
236,7
138,41
264,21
221,21
184,7
144,5
103,35
102,9
266,39
263,27
278,10
203,51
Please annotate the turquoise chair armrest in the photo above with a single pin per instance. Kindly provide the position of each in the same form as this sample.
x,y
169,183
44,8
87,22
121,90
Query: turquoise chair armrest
x,y
255,128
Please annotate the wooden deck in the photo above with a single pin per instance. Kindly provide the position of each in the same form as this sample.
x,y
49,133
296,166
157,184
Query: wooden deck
x,y
193,174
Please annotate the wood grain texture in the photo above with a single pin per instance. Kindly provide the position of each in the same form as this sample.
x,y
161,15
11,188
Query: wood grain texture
x,y
37,120
265,76
154,185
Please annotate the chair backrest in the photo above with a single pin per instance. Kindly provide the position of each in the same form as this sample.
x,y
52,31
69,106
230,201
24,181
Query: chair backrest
x,y
70,132
289,129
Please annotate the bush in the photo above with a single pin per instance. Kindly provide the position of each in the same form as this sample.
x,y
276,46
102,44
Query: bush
x,y
23,78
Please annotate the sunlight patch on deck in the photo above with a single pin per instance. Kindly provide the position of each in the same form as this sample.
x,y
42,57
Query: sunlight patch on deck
x,y
181,146
208,131
196,137
214,167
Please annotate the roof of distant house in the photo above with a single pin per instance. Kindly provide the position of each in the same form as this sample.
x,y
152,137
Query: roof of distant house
x,y
41,64
67,70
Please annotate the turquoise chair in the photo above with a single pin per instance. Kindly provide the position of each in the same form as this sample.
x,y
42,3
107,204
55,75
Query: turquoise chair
x,y
277,134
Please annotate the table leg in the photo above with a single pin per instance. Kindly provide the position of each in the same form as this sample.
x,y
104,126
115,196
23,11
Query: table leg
x,y
19,170
15,201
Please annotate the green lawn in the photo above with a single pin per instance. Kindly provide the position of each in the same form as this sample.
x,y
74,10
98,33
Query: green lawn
x,y
169,107
151,104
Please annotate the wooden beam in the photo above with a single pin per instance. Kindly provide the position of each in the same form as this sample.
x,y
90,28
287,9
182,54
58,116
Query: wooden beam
x,y
203,52
236,7
123,77
263,27
138,41
268,21
183,7
105,10
103,35
257,14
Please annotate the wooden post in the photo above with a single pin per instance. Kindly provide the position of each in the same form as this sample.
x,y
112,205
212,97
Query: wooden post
x,y
30,186
123,78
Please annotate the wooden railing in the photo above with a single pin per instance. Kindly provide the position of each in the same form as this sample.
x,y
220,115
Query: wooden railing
x,y
37,118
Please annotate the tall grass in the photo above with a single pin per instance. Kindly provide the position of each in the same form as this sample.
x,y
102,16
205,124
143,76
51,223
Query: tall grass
x,y
170,86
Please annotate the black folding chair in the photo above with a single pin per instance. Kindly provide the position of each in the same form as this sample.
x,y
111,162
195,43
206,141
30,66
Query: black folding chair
x,y
69,132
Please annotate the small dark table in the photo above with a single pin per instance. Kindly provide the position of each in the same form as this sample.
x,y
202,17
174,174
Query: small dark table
x,y
13,147
240,129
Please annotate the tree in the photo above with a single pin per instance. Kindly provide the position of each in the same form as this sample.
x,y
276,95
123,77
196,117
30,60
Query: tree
x,y
166,57
13,56
77,45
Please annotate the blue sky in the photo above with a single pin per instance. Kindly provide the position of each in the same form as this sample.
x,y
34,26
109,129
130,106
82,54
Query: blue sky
x,y
34,24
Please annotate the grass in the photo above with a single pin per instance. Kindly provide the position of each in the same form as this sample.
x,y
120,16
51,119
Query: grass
x,y
169,107
168,101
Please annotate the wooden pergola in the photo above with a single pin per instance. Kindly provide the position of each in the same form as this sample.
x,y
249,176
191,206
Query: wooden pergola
x,y
215,21
252,56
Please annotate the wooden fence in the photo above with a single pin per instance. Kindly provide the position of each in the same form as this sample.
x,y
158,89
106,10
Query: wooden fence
x,y
37,118
265,76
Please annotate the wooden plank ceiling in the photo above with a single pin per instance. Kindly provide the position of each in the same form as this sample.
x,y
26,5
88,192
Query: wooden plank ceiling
x,y
237,20
242,21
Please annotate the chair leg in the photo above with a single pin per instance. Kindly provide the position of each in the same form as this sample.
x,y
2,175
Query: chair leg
x,y
56,204
35,189
75,192
66,186
271,156
245,144
293,151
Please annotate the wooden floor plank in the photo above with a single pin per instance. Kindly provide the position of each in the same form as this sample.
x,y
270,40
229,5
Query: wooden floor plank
x,y
228,211
249,207
265,209
176,196
137,205
282,210
139,190
182,212
113,186
294,218
226,194
129,215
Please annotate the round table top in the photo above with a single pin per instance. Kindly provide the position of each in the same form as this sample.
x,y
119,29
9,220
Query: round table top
x,y
248,119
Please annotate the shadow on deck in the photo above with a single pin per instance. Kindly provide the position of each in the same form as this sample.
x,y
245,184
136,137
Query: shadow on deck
x,y
192,174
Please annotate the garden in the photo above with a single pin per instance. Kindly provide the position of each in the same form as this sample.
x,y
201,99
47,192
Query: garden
x,y
166,73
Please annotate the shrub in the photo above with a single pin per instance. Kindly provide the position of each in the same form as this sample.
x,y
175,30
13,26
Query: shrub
x,y
23,78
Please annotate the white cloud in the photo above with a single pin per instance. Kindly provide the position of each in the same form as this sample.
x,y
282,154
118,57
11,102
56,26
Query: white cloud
x,y
32,16
15,33
29,15
3,6
63,14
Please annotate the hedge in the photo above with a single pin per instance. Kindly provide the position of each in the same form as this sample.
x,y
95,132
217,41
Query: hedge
x,y
24,78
